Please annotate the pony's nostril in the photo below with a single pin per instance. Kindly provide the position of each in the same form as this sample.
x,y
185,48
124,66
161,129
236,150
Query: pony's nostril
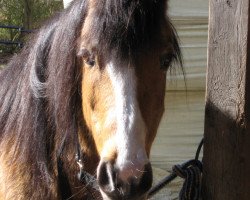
x,y
106,177
115,188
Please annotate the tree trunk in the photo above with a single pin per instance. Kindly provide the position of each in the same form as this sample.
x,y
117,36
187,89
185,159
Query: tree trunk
x,y
27,20
227,121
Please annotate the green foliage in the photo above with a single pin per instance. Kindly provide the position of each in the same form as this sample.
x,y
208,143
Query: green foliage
x,y
11,12
41,10
24,13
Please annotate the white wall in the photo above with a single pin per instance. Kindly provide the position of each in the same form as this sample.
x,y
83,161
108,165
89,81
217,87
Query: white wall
x,y
66,3
190,18
189,8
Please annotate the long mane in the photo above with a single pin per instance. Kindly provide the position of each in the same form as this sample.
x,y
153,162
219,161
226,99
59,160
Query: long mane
x,y
126,26
39,92
40,88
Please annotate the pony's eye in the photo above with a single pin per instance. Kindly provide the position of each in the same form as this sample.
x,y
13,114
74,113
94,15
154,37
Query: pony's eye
x,y
88,58
90,61
166,60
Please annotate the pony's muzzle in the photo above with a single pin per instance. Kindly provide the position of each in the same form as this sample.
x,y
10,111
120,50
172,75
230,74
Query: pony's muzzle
x,y
114,188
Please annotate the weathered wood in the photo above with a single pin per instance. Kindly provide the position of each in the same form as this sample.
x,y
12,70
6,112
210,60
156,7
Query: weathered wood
x,y
227,130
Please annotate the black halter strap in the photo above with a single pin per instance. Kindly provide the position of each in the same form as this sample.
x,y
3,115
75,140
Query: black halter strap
x,y
82,175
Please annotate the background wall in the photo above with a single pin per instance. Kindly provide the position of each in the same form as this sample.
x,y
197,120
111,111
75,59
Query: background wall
x,y
182,125
66,3
190,18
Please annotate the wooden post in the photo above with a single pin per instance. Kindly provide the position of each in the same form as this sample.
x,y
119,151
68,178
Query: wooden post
x,y
227,121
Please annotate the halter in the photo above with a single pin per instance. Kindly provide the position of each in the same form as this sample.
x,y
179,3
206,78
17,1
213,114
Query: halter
x,y
82,175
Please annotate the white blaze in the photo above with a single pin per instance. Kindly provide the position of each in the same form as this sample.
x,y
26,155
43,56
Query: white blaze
x,y
131,131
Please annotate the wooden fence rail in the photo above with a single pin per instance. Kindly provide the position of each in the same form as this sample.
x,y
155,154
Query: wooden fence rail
x,y
19,29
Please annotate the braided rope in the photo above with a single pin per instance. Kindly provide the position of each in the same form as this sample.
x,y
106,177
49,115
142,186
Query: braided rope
x,y
191,171
191,189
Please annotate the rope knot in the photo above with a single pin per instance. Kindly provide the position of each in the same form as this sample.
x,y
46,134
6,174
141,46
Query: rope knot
x,y
191,172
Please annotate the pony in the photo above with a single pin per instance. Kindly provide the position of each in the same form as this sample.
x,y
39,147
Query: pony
x,y
81,103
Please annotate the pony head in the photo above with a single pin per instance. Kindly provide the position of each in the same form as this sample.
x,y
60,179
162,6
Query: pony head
x,y
91,80
125,49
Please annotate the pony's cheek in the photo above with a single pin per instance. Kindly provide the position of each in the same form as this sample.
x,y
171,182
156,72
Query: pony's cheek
x,y
104,138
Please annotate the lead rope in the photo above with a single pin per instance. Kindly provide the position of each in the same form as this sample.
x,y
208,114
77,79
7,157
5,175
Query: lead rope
x,y
191,172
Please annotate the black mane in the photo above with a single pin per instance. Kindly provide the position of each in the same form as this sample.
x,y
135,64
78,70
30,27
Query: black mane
x,y
40,94
126,26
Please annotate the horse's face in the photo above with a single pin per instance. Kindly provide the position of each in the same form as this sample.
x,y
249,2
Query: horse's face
x,y
122,105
